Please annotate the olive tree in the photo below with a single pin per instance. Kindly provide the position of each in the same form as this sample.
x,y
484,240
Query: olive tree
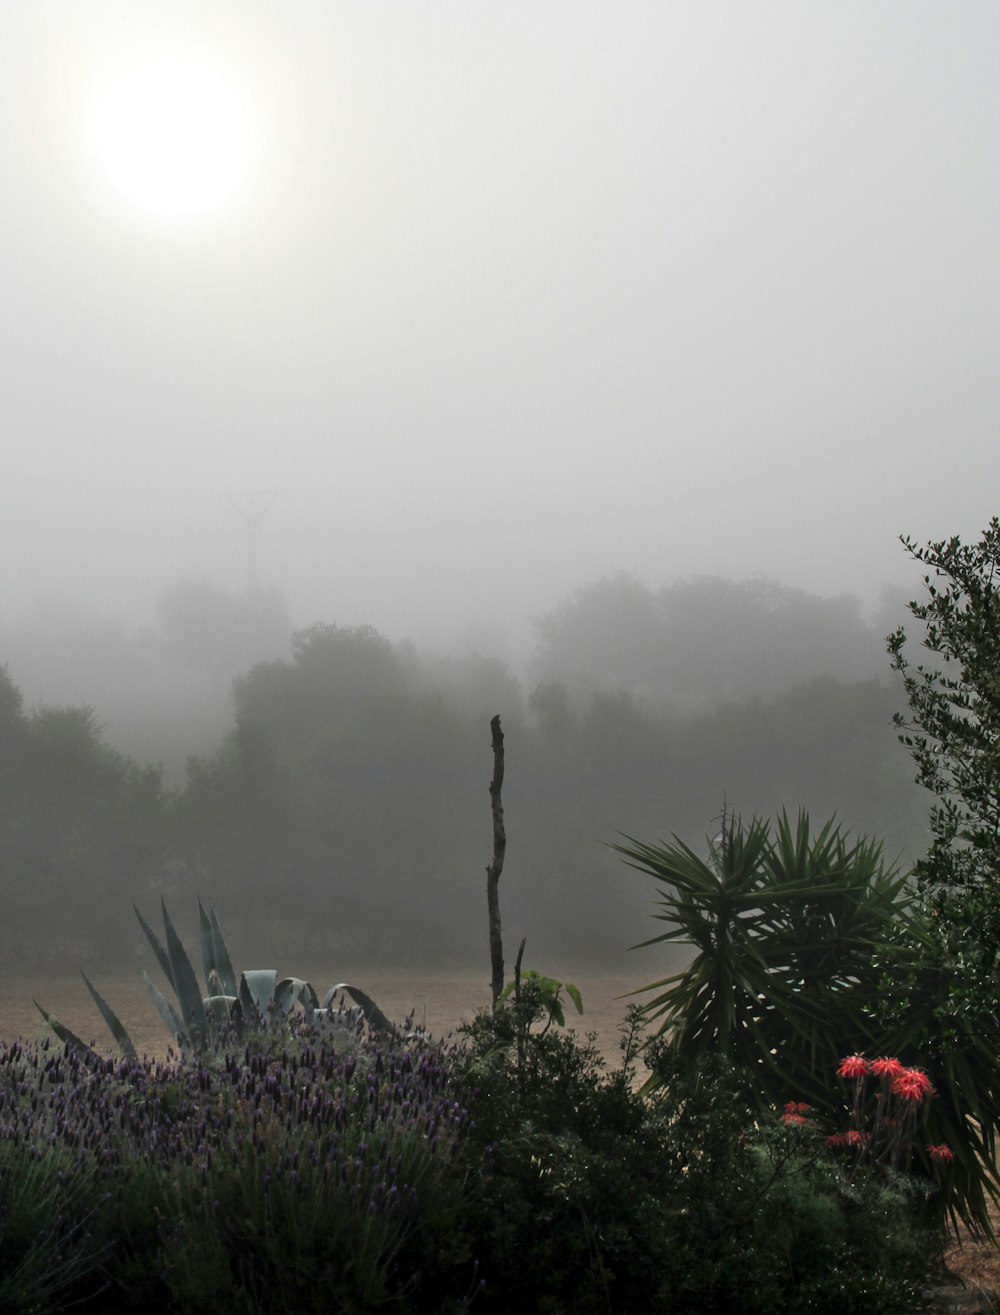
x,y
953,727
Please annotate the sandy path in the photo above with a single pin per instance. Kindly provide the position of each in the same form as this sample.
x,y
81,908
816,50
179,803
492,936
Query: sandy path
x,y
440,1001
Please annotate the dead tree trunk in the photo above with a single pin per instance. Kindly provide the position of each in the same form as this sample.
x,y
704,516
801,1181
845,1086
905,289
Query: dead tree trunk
x,y
496,867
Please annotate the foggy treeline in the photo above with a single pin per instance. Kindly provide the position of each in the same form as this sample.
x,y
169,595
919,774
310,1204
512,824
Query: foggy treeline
x,y
327,787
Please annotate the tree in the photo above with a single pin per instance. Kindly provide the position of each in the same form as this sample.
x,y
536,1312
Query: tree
x,y
701,641
943,986
953,731
608,634
220,633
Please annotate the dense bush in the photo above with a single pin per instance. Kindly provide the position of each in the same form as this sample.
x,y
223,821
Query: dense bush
x,y
512,1172
595,1197
293,1175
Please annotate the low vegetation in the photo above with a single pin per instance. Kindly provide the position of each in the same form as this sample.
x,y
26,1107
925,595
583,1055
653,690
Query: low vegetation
x,y
508,1171
799,1116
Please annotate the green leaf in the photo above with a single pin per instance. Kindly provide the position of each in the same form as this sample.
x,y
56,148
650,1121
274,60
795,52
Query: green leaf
x,y
168,1013
257,988
214,954
220,1010
374,1016
63,1033
291,990
111,1018
185,983
574,994
158,950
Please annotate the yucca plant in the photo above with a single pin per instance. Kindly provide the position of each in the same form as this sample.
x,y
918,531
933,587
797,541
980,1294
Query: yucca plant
x,y
199,1021
786,925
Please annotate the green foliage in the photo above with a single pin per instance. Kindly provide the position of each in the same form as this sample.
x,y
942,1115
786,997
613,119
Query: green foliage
x,y
513,1173
286,1175
808,948
931,1014
47,1252
549,991
595,1197
198,1022
954,731
786,924
942,985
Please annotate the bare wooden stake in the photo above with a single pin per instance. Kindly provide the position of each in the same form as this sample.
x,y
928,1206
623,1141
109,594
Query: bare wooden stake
x,y
496,867
517,970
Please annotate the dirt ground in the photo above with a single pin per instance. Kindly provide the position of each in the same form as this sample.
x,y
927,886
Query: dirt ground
x,y
975,1267
439,1001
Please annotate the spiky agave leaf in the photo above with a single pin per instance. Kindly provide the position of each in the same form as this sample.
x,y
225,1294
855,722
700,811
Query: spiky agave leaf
x,y
185,983
257,988
161,955
63,1033
221,1011
214,954
374,1016
168,1013
114,1023
290,991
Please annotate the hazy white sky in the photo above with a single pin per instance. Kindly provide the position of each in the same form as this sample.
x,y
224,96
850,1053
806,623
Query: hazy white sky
x,y
507,297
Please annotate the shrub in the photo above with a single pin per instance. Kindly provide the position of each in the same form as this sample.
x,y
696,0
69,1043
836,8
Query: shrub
x,y
596,1197
291,1175
787,924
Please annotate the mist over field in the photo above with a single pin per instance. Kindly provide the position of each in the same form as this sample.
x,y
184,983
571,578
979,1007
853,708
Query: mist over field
x,y
327,787
370,370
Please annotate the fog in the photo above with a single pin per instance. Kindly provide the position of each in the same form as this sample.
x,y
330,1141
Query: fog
x,y
475,312
510,297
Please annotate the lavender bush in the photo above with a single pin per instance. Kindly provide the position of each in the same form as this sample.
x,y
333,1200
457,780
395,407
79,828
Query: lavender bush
x,y
289,1175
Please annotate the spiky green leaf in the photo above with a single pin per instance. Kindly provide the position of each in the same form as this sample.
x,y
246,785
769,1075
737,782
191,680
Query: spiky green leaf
x,y
168,1013
373,1015
291,991
257,988
220,977
63,1033
185,983
161,955
114,1023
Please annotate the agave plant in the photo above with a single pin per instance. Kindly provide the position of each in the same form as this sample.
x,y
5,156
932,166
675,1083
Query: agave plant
x,y
200,1021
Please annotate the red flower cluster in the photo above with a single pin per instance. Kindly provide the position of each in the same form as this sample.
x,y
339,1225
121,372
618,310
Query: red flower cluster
x,y
907,1083
853,1138
895,1106
912,1084
887,1068
795,1113
854,1066
941,1154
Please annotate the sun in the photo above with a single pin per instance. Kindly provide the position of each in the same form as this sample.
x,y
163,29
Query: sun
x,y
173,137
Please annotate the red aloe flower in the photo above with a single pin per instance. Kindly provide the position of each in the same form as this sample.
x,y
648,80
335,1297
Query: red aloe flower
x,y
887,1068
912,1084
790,1119
941,1154
836,1141
854,1066
855,1138
797,1107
